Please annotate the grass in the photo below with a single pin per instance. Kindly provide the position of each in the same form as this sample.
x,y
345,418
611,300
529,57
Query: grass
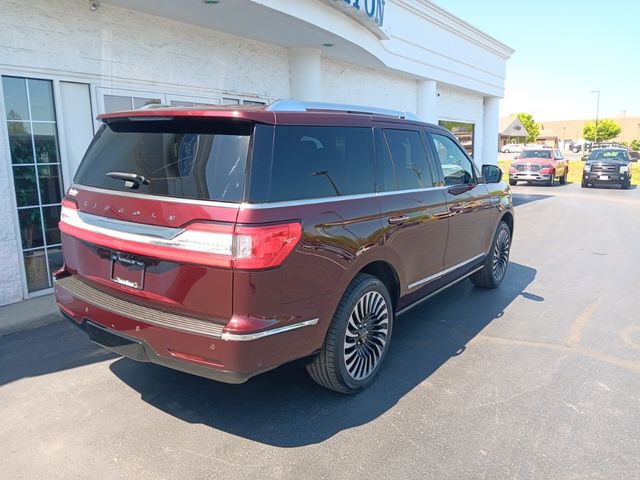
x,y
575,171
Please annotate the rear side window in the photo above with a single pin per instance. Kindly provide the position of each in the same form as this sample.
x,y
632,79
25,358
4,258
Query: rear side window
x,y
188,158
317,162
409,159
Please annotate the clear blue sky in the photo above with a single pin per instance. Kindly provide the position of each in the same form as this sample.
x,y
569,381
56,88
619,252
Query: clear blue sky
x,y
563,50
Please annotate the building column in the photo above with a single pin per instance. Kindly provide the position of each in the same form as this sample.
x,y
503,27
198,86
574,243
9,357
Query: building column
x,y
306,74
490,114
427,110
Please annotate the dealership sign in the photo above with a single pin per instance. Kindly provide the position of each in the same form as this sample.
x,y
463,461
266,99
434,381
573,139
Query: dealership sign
x,y
369,13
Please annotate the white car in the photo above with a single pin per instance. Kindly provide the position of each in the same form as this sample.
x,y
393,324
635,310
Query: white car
x,y
512,148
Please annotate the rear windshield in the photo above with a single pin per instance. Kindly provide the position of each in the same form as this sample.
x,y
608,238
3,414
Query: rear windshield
x,y
188,158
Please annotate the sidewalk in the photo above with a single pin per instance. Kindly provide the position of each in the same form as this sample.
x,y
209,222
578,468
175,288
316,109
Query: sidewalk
x,y
28,314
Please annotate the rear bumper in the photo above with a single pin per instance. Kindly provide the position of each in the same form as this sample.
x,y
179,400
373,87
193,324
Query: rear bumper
x,y
191,345
140,350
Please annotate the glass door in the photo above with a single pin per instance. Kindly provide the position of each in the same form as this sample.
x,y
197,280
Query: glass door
x,y
37,178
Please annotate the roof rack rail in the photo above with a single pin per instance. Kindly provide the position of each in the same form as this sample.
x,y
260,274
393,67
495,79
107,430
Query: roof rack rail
x,y
298,106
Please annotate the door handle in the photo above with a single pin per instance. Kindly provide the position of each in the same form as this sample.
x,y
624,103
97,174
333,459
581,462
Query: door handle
x,y
398,219
456,208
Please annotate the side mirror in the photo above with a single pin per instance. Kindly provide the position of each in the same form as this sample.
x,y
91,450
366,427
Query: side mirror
x,y
491,173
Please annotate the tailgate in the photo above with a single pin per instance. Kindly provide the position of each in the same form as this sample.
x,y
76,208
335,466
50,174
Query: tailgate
x,y
114,242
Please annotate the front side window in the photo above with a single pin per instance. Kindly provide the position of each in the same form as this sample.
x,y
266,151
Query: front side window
x,y
456,166
317,162
409,159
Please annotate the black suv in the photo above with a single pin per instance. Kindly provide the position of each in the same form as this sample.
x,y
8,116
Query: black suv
x,y
607,165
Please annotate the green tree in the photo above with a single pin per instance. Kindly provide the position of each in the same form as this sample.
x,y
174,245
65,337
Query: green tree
x,y
607,129
533,129
635,145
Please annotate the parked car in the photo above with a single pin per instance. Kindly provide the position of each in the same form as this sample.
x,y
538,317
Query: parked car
x,y
607,166
512,148
539,165
580,145
225,242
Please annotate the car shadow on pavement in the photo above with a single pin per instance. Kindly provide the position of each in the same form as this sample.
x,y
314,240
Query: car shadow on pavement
x,y
523,198
285,408
52,348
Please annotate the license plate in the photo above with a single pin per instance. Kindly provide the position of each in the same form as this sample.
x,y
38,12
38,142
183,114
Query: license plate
x,y
604,177
127,270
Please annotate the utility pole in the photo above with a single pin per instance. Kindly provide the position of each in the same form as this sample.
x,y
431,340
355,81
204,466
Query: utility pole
x,y
597,114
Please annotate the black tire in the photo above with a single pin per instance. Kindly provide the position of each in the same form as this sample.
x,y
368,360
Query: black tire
x,y
626,185
507,151
563,178
353,352
495,266
513,183
584,184
552,179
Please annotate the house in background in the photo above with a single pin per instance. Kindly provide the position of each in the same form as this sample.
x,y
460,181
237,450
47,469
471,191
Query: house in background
x,y
547,137
511,130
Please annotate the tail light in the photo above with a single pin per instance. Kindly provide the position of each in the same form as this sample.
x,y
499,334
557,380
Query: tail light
x,y
245,247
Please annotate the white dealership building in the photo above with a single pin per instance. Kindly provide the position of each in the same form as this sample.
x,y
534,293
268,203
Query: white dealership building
x,y
63,62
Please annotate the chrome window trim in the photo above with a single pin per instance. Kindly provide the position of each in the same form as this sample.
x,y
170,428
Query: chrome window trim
x,y
258,206
246,337
312,201
164,198
443,272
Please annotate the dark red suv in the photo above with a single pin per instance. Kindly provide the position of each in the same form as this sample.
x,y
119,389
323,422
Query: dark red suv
x,y
226,242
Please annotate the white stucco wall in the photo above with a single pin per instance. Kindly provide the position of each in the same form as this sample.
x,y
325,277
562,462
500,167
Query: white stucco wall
x,y
346,83
462,106
11,285
115,45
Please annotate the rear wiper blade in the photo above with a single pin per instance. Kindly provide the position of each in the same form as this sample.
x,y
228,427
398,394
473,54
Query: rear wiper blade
x,y
131,180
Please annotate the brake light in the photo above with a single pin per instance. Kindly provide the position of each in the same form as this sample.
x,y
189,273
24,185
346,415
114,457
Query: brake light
x,y
215,245
265,246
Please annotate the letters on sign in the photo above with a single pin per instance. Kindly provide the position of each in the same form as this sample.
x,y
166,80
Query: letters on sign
x,y
374,9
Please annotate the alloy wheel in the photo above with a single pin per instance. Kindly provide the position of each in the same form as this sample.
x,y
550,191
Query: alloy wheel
x,y
501,254
366,335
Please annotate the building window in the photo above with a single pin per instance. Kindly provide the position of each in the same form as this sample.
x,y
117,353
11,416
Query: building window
x,y
119,103
462,131
37,175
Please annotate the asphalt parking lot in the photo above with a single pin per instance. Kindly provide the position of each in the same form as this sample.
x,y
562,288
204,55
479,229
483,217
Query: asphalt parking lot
x,y
538,379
